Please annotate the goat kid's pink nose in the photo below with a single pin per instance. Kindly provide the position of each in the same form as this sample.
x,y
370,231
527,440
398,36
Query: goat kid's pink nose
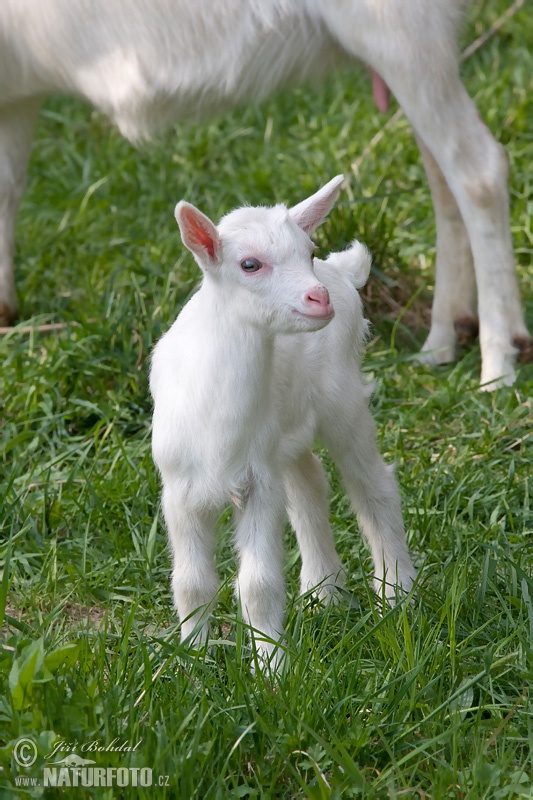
x,y
318,302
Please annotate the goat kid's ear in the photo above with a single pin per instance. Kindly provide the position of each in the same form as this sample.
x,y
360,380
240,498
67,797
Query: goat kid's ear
x,y
199,235
311,213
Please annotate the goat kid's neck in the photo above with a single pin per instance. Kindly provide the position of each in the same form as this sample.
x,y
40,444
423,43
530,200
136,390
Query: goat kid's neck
x,y
241,347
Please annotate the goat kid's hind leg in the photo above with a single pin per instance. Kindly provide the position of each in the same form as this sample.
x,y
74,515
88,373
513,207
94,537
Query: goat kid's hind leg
x,y
194,580
349,435
260,584
454,317
17,125
308,507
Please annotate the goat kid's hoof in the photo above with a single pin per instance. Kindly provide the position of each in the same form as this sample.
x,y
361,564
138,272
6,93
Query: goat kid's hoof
x,y
324,590
268,661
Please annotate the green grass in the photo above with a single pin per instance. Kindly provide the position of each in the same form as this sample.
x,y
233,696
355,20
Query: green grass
x,y
430,700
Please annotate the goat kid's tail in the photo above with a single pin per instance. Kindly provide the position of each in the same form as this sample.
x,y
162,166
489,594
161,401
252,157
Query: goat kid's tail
x,y
354,263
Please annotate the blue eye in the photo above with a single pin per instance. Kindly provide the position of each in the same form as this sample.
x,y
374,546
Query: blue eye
x,y
251,265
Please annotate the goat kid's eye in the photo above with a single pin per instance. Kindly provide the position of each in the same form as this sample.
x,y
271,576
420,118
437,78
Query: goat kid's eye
x,y
251,265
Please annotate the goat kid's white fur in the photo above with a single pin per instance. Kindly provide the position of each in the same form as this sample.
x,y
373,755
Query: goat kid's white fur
x,y
257,365
146,63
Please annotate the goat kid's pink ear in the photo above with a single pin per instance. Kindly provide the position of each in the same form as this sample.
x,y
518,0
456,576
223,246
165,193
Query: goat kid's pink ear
x,y
311,213
199,234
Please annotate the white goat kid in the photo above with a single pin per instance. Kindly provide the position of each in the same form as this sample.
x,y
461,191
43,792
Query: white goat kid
x,y
238,403
146,63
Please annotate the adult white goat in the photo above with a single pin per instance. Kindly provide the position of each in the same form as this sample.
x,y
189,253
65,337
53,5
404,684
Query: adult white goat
x,y
146,63
238,403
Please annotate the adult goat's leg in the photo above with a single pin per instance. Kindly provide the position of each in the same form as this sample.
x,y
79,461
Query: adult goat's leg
x,y
412,46
454,318
17,124
475,168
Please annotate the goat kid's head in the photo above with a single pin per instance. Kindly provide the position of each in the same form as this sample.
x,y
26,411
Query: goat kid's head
x,y
262,260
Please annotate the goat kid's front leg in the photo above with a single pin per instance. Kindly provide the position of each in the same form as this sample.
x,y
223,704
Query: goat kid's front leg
x,y
260,585
17,125
194,579
308,507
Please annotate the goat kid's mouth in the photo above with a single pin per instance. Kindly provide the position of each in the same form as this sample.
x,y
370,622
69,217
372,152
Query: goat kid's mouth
x,y
318,316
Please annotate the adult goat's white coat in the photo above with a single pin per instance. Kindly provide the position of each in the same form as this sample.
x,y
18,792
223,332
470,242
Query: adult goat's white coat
x,y
263,359
146,63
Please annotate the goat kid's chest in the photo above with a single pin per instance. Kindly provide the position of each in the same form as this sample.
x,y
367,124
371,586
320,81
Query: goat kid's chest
x,y
225,393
